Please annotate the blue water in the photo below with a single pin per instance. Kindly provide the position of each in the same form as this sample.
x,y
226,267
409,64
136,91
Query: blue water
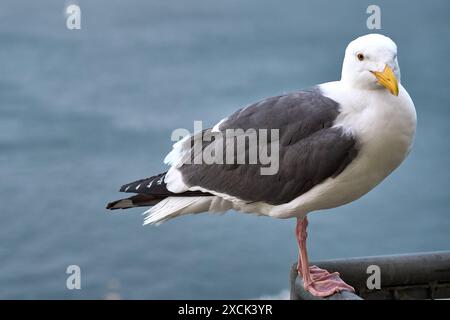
x,y
82,112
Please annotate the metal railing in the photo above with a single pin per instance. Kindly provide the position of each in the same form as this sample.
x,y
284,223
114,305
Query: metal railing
x,y
406,276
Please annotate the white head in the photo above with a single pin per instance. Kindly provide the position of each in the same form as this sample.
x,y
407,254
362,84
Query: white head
x,y
370,62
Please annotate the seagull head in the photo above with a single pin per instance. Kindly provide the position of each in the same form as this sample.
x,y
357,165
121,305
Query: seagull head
x,y
371,63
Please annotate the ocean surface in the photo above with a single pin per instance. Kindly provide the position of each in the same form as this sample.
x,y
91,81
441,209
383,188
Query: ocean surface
x,y
84,111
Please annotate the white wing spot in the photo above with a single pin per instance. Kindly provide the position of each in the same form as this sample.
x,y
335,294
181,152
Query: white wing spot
x,y
216,127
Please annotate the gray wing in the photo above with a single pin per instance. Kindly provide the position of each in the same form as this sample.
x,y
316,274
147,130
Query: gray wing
x,y
310,149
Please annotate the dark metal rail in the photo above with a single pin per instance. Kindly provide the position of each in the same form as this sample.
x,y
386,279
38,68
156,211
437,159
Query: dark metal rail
x,y
406,276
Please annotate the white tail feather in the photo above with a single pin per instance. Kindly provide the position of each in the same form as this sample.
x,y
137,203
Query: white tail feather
x,y
174,206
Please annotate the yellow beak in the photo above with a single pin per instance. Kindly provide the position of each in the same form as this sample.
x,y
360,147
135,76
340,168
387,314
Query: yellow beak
x,y
387,79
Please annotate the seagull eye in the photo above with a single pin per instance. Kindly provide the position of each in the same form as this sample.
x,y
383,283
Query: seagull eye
x,y
360,56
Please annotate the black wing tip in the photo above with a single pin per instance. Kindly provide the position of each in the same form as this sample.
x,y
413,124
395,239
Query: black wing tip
x,y
120,204
110,205
134,186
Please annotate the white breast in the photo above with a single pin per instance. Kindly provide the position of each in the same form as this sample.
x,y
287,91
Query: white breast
x,y
384,126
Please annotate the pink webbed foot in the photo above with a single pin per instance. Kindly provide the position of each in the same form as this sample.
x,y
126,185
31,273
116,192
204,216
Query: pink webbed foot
x,y
317,281
324,284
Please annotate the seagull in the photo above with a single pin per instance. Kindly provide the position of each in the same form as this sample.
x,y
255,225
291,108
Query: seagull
x,y
336,141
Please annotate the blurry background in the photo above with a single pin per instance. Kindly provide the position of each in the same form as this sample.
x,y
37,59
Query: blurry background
x,y
82,112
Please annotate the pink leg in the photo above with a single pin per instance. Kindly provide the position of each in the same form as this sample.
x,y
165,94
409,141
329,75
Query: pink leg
x,y
317,281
